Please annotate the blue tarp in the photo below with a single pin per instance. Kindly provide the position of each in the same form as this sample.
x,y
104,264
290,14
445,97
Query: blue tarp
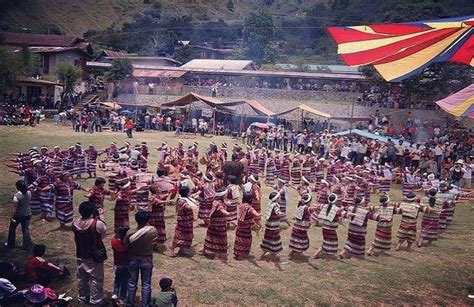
x,y
372,135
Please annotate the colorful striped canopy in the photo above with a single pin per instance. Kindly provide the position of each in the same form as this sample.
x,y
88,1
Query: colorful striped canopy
x,y
460,103
399,51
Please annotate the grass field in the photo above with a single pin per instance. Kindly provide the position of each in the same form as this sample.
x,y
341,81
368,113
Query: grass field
x,y
440,274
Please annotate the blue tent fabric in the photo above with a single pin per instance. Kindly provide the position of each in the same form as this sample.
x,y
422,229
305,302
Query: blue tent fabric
x,y
371,135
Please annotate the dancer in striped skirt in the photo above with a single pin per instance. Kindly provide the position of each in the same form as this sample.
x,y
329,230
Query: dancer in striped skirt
x,y
330,215
123,205
296,172
183,233
270,170
92,155
157,207
80,161
386,180
407,230
64,188
383,232
256,194
409,182
253,163
355,244
299,240
282,188
243,234
447,199
271,242
322,199
430,222
69,160
306,167
262,159
207,195
46,196
216,235
285,167
232,200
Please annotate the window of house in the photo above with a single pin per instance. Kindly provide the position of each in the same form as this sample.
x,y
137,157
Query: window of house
x,y
33,91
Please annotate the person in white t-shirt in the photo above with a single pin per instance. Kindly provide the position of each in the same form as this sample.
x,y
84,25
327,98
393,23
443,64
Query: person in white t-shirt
x,y
467,177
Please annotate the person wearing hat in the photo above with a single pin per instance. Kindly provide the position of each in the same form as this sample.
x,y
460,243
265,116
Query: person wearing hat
x,y
282,188
91,154
207,195
409,210
457,172
271,242
248,217
69,160
285,167
330,215
446,201
255,190
270,170
216,234
358,219
299,240
383,214
430,220
183,232
46,197
232,200
296,171
39,295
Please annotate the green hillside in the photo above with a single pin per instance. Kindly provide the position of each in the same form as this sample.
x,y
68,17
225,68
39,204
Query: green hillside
x,y
76,17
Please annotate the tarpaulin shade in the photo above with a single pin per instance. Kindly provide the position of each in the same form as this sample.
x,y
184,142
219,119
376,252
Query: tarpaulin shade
x,y
305,108
460,104
399,51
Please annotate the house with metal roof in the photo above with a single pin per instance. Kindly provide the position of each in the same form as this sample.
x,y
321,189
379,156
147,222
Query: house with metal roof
x,y
214,64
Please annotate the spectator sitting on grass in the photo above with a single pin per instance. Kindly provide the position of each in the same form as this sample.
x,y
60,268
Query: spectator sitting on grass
x,y
167,296
40,271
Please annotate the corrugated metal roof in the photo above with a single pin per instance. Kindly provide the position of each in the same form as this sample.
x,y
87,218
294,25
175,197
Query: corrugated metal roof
x,y
115,54
219,64
254,73
32,39
148,73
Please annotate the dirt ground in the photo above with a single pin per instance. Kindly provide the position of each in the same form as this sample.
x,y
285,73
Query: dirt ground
x,y
440,274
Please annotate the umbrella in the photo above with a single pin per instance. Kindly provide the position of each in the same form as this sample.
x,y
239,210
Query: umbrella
x,y
399,51
262,125
460,104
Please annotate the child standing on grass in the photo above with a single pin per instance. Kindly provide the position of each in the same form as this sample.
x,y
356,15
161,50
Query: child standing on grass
x,y
167,296
120,266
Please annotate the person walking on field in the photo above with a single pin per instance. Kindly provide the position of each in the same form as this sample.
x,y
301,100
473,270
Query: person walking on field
x,y
139,243
129,127
90,252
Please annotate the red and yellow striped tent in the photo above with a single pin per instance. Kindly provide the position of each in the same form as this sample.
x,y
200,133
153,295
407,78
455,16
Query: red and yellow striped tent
x,y
399,51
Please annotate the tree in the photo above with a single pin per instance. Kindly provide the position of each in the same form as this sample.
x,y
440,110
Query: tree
x,y
184,54
69,76
120,69
257,35
14,65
